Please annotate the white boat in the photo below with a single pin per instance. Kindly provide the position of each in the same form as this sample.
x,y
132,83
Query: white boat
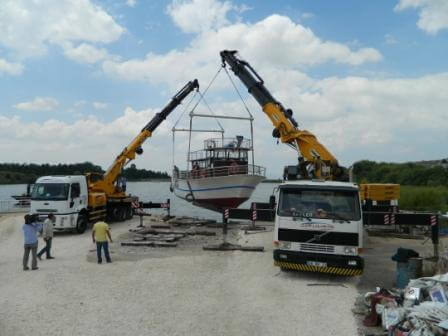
x,y
220,176
223,173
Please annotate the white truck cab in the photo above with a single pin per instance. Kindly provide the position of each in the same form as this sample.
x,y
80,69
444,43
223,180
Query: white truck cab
x,y
64,196
318,227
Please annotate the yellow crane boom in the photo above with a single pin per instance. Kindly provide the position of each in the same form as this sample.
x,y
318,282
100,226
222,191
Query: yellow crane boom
x,y
107,183
310,150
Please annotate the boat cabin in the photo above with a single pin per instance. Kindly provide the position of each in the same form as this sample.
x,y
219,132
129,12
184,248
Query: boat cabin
x,y
221,157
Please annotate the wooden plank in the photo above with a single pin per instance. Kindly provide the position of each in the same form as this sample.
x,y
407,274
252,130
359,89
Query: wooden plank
x,y
155,239
160,226
191,222
166,235
162,239
160,231
202,233
231,247
252,248
148,243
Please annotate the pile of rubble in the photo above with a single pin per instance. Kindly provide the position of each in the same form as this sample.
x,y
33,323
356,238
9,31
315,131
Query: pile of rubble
x,y
419,309
166,234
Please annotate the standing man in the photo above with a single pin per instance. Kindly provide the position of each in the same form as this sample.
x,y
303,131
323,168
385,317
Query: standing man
x,y
100,233
30,230
47,233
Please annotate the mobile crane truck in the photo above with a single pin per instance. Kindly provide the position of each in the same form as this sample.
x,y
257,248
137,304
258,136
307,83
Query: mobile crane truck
x,y
319,216
79,199
318,220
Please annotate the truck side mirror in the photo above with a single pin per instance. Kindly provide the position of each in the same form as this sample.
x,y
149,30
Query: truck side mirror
x,y
72,203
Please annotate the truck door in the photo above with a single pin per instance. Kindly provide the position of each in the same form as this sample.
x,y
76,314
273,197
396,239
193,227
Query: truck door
x,y
75,199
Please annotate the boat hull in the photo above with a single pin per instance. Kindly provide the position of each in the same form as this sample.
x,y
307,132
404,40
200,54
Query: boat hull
x,y
217,193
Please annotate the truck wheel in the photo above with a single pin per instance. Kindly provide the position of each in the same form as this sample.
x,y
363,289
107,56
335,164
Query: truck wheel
x,y
121,214
81,224
114,214
129,212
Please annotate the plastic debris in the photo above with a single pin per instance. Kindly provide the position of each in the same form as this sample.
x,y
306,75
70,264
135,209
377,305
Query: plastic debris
x,y
421,309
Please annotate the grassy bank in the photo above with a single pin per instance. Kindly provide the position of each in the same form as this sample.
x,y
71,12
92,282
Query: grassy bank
x,y
424,198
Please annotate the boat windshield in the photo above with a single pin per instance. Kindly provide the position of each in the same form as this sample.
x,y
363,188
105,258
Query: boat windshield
x,y
50,191
317,203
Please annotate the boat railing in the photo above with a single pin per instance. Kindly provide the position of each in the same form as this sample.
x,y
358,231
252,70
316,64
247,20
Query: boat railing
x,y
222,171
218,154
231,143
198,155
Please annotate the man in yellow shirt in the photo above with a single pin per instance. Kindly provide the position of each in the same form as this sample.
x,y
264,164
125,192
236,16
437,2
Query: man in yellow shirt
x,y
100,233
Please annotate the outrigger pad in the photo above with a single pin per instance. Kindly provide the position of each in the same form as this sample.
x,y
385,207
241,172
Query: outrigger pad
x,y
254,228
233,247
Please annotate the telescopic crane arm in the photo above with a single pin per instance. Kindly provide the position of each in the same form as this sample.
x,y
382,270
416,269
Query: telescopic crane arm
x,y
285,126
129,152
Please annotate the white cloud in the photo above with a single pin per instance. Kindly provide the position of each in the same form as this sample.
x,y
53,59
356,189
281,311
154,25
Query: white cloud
x,y
433,14
99,105
131,3
85,53
307,15
38,104
390,39
79,103
28,27
194,16
291,46
56,141
354,117
10,68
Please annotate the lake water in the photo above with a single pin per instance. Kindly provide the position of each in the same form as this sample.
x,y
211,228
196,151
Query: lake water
x,y
158,192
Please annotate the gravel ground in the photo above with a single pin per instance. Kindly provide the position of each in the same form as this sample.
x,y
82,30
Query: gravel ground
x,y
167,292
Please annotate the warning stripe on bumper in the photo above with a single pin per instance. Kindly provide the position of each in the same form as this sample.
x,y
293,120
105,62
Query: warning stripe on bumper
x,y
307,268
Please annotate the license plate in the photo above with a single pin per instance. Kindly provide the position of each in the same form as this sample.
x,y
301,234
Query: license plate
x,y
316,263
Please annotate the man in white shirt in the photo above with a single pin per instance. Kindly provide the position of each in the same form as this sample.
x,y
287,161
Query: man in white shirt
x,y
47,234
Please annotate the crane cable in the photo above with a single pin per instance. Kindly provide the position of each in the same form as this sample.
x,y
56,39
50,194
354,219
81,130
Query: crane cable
x,y
293,146
202,97
177,122
238,92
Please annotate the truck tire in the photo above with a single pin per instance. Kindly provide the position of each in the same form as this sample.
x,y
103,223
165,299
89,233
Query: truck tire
x,y
118,214
121,214
129,212
81,224
114,214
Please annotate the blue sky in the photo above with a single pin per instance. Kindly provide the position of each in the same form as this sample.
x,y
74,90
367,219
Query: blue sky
x,y
80,79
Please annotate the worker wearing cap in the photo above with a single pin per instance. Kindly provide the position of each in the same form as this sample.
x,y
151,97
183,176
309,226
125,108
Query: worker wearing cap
x,y
47,234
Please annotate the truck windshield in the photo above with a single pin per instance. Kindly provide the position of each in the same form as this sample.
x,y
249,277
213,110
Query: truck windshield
x,y
318,203
50,191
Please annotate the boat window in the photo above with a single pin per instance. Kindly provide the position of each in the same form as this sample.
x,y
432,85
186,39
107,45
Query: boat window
x,y
323,204
50,191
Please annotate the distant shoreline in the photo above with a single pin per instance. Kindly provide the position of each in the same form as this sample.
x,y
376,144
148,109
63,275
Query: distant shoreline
x,y
156,180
